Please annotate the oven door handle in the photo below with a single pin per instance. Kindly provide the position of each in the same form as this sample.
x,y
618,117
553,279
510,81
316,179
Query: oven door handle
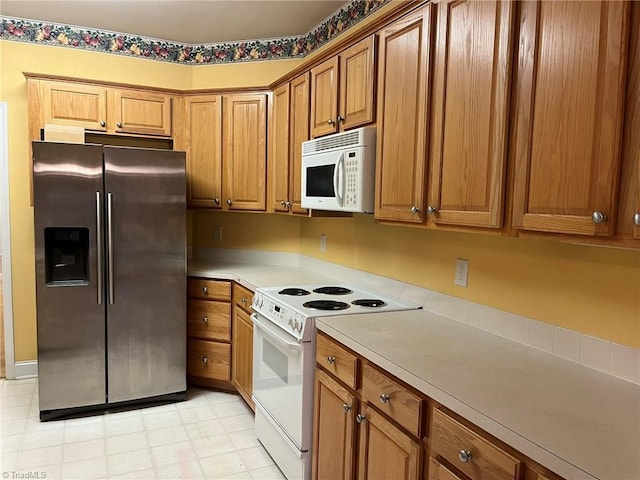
x,y
272,333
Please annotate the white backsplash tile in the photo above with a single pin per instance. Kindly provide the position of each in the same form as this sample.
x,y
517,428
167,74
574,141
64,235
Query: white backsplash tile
x,y
518,328
444,305
596,353
625,363
566,343
461,310
541,336
496,322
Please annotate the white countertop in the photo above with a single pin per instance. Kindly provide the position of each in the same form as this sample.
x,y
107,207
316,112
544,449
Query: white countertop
x,y
576,421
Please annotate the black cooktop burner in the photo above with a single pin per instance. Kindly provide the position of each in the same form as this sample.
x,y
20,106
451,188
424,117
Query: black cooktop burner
x,y
297,292
325,305
369,302
333,290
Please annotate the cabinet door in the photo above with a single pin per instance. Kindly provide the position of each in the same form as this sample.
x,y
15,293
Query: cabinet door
x,y
324,98
242,354
204,150
75,105
403,86
244,152
333,430
438,472
470,112
357,84
142,112
569,103
385,451
299,133
279,149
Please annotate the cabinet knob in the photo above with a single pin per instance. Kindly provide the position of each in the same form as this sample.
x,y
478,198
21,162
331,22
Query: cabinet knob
x,y
384,398
599,217
636,219
205,290
331,121
331,360
346,408
119,124
414,209
341,119
205,360
360,418
465,456
288,204
205,320
283,203
102,123
431,210
229,202
217,201
244,300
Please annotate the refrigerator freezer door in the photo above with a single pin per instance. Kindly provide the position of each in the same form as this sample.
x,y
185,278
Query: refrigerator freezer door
x,y
146,271
67,186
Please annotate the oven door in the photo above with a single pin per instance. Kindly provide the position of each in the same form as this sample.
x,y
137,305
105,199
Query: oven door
x,y
282,378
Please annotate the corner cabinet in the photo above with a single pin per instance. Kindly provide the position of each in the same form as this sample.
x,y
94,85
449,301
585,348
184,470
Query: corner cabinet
x,y
104,109
244,151
403,86
242,343
472,74
569,110
343,90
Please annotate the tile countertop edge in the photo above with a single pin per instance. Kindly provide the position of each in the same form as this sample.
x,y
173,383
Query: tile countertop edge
x,y
510,437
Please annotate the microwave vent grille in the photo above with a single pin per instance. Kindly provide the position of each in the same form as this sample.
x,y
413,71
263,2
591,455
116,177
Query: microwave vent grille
x,y
341,140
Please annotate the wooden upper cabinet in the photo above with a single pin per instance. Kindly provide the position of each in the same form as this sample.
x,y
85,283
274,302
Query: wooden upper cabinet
x,y
244,151
143,112
324,98
204,150
470,112
403,86
279,149
343,90
299,132
569,110
75,105
357,84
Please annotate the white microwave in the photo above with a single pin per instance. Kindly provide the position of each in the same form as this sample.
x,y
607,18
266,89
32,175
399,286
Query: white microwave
x,y
338,171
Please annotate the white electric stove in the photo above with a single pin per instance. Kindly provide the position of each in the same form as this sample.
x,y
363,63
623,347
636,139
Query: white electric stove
x,y
284,361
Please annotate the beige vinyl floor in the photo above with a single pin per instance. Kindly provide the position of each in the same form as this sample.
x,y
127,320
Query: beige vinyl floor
x,y
210,435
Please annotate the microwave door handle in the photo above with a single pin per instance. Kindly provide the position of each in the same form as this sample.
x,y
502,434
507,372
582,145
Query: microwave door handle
x,y
338,180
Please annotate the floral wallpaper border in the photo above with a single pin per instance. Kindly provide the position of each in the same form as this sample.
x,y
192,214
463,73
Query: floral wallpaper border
x,y
43,33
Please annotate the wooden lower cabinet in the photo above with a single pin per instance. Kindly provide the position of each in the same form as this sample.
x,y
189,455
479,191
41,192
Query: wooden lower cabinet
x,y
207,359
242,343
370,425
385,451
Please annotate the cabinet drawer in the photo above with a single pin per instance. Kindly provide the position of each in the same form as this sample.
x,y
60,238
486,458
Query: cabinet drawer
x,y
401,404
242,297
337,360
209,319
209,289
486,461
209,359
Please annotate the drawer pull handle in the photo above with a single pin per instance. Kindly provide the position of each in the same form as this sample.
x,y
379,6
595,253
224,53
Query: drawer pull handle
x,y
244,300
465,456
205,290
636,219
331,360
599,217
360,418
384,398
346,408
205,320
205,360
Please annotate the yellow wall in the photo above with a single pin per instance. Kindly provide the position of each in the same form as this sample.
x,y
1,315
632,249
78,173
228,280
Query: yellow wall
x,y
253,74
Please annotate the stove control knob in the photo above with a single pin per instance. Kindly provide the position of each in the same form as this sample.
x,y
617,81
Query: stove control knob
x,y
295,325
291,322
299,327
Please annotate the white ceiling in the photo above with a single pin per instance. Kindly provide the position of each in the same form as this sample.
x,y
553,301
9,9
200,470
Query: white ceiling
x,y
182,21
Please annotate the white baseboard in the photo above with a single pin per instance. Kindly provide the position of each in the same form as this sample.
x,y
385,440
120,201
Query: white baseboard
x,y
28,369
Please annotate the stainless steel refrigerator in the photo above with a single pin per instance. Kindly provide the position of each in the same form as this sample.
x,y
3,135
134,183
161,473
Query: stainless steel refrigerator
x,y
110,252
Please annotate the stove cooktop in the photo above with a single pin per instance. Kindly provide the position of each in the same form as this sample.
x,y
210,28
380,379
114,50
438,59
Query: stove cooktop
x,y
294,308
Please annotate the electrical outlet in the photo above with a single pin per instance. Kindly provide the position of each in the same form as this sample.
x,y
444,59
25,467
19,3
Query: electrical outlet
x,y
217,233
462,272
323,242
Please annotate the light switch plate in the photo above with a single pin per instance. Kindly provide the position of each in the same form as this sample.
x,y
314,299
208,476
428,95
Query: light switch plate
x,y
462,272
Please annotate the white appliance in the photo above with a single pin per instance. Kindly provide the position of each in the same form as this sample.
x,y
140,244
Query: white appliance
x,y
284,362
338,171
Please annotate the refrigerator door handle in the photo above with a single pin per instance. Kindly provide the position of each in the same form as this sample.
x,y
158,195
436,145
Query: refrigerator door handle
x,y
110,248
99,253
